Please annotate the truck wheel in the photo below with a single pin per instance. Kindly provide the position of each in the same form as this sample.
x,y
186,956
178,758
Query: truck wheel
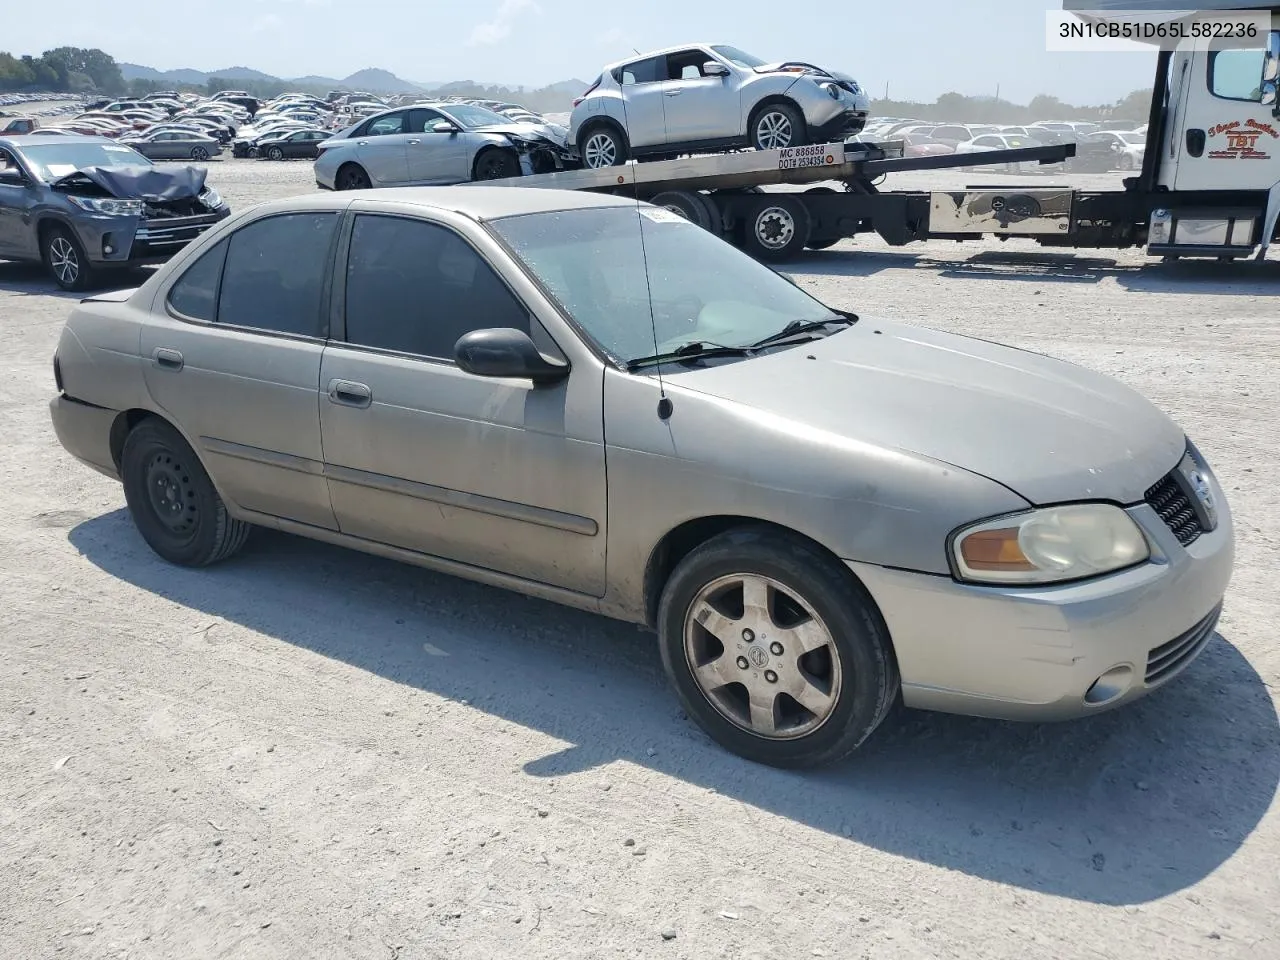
x,y
778,125
172,500
816,242
495,164
775,650
693,206
65,259
776,227
603,146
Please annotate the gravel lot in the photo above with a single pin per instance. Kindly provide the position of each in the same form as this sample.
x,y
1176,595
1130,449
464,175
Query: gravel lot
x,y
311,753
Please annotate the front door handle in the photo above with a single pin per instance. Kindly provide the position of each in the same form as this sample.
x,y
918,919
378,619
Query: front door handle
x,y
349,394
167,357
1195,141
415,141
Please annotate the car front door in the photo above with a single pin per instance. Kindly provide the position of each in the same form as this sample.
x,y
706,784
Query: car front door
x,y
383,150
437,157
698,107
232,358
495,473
17,200
643,85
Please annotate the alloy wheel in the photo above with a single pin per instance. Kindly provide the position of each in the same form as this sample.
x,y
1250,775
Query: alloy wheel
x,y
762,657
64,261
773,130
600,150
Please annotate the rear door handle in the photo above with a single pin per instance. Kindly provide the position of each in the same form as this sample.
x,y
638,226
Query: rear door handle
x,y
349,394
674,93
167,357
415,141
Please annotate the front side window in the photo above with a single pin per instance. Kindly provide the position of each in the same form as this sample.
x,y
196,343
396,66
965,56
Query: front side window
x,y
416,287
686,65
672,283
275,273
1236,74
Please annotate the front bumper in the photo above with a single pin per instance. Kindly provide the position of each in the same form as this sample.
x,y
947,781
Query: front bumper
x,y
840,127
85,432
133,241
1059,652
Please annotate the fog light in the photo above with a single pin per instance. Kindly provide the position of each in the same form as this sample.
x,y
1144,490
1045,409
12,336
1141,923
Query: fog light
x,y
1112,685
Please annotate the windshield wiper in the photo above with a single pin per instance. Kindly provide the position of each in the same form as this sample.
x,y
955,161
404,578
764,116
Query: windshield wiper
x,y
693,350
797,327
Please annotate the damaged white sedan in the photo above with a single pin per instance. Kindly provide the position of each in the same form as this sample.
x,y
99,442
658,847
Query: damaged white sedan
x,y
433,144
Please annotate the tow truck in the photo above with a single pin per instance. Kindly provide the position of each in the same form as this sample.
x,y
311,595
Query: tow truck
x,y
1209,184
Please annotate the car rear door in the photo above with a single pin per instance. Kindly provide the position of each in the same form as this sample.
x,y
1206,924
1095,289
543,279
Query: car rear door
x,y
698,107
495,473
17,232
232,358
383,150
643,85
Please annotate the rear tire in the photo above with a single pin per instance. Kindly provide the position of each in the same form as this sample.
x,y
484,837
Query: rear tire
x,y
275,153
802,679
495,164
352,177
199,153
65,260
778,125
776,227
603,145
172,500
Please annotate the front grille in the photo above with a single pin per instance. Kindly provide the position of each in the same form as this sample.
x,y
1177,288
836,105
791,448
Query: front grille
x,y
1166,660
1174,506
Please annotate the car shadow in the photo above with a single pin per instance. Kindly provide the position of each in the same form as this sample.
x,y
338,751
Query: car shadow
x,y
1123,808
30,279
1241,277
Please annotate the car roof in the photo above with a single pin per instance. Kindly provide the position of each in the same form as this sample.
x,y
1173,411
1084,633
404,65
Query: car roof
x,y
666,50
476,202
38,139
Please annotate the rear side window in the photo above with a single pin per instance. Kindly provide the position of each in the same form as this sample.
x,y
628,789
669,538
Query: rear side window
x,y
643,71
195,295
416,287
275,272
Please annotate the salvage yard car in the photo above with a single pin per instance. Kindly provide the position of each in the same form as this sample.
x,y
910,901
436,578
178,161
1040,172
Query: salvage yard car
x,y
599,403
709,97
437,143
87,205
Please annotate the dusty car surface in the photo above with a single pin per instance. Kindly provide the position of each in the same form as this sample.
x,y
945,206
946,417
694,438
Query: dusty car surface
x,y
601,404
710,96
435,144
88,205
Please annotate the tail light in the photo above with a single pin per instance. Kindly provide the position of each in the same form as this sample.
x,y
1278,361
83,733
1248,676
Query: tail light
x,y
586,93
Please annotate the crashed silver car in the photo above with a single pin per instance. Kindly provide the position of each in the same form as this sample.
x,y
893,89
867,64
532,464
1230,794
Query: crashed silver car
x,y
705,97
435,144
86,205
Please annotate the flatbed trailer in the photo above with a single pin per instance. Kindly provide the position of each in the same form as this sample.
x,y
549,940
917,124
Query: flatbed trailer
x,y
1209,185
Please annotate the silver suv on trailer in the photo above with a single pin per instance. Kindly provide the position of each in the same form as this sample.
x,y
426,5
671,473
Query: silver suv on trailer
x,y
710,96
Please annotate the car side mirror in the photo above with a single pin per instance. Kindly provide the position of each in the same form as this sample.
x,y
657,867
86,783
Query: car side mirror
x,y
444,126
713,68
506,352
13,178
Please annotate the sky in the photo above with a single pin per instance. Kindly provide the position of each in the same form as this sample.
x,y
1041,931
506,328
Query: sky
x,y
917,48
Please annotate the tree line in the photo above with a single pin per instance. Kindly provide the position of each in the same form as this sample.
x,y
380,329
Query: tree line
x,y
91,71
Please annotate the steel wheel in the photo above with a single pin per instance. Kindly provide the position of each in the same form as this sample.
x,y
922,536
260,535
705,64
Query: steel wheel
x,y
775,129
774,227
64,261
171,495
762,657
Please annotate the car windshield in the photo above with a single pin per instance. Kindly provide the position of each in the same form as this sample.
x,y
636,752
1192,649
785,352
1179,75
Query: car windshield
x,y
739,58
49,161
469,115
606,265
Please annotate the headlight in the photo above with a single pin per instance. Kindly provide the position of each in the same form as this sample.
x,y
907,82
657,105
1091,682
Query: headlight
x,y
211,198
833,90
1049,545
109,206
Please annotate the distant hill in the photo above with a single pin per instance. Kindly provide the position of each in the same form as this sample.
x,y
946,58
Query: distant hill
x,y
379,81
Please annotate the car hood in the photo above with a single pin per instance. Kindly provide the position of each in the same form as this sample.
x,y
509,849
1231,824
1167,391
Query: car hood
x,y
139,183
809,69
550,132
1049,430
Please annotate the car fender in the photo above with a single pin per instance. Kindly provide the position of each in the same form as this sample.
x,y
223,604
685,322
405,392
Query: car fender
x,y
761,88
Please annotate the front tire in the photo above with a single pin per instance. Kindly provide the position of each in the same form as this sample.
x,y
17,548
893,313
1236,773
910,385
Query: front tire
x,y
603,146
775,650
66,261
494,164
778,125
172,500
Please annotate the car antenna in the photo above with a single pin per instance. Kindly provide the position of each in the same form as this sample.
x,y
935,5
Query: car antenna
x,y
664,402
